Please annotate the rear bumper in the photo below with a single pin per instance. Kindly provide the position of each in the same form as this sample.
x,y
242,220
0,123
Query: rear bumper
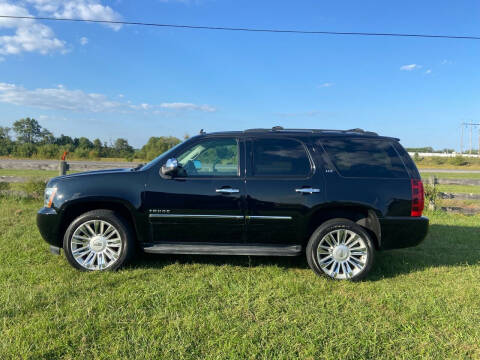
x,y
47,223
402,232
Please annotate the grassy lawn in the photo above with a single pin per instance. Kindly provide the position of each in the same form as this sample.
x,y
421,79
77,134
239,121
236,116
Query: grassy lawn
x,y
448,166
465,189
460,163
29,173
418,303
465,175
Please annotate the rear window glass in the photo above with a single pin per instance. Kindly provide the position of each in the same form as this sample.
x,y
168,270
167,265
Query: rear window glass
x,y
280,157
364,158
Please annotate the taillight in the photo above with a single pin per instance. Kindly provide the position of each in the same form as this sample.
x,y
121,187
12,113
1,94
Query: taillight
x,y
417,198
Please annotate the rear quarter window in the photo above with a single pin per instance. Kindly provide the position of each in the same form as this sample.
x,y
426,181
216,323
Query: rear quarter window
x,y
356,157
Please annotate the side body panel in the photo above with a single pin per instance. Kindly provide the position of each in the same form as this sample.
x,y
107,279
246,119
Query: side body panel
x,y
122,187
193,209
277,212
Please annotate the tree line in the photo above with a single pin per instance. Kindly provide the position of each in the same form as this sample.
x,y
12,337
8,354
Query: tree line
x,y
31,140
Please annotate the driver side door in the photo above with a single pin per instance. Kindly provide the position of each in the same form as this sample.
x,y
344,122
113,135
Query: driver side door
x,y
204,201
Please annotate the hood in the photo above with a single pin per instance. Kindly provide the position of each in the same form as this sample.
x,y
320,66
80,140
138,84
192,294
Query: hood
x,y
94,172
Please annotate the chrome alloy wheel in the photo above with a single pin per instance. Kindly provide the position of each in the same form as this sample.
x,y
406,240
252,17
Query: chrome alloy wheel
x,y
96,245
342,254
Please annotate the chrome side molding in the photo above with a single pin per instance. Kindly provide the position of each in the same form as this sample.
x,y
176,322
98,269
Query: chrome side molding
x,y
307,190
213,216
227,191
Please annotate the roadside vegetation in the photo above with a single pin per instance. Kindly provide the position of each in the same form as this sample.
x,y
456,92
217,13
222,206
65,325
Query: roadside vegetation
x,y
419,302
33,141
437,162
451,175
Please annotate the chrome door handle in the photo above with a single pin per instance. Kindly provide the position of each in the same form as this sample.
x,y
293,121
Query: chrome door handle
x,y
307,190
227,191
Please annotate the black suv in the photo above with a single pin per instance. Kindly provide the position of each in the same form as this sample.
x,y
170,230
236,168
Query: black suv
x,y
336,196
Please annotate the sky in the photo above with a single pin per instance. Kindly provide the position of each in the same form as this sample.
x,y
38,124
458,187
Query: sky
x,y
110,81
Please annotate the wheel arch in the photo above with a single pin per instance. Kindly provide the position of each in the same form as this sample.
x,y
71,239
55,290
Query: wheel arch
x,y
73,209
362,215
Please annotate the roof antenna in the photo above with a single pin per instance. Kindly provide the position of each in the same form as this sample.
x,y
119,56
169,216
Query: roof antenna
x,y
202,132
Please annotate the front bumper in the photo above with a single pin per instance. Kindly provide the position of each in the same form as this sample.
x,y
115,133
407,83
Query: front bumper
x,y
402,232
47,223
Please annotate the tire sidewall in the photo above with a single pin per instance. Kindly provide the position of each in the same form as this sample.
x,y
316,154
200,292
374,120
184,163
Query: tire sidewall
x,y
337,224
108,216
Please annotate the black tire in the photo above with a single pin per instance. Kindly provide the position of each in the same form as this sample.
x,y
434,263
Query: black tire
x,y
125,247
352,261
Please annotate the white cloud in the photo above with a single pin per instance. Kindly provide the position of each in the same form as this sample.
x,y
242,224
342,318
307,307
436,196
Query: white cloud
x,y
325,85
410,67
78,9
429,71
187,106
61,98
28,36
83,41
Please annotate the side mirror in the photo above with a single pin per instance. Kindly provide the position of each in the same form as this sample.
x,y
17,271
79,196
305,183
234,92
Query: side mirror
x,y
170,168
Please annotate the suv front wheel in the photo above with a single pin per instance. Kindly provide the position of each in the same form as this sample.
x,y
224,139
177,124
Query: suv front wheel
x,y
98,240
340,249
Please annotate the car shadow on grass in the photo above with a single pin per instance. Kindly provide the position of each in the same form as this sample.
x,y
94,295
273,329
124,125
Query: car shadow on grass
x,y
444,246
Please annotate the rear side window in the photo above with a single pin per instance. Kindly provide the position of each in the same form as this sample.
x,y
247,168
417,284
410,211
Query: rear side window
x,y
280,157
356,157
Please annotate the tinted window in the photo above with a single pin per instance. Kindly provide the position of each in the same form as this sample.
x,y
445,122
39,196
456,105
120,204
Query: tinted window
x,y
364,158
215,157
279,157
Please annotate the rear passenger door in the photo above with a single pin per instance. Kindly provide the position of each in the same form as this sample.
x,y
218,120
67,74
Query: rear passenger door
x,y
282,186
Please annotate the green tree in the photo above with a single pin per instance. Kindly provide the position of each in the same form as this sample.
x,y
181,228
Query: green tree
x,y
6,143
5,133
46,137
156,146
97,144
64,140
123,148
84,143
27,130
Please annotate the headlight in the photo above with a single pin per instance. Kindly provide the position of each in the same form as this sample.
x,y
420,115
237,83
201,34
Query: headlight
x,y
48,197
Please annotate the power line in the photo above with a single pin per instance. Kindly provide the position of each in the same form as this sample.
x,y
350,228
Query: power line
x,y
223,28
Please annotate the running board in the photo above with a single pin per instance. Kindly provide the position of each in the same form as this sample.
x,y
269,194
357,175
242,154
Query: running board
x,y
222,249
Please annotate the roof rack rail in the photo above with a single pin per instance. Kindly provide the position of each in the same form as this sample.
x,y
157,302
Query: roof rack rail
x,y
281,129
361,131
256,130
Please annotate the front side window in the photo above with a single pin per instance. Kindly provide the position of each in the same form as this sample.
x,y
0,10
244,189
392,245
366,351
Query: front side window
x,y
280,157
356,157
214,157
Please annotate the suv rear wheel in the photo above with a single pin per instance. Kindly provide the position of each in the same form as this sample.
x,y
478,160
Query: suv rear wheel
x,y
98,240
340,249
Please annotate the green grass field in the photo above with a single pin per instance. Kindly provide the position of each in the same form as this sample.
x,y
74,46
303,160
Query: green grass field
x,y
462,175
465,189
417,303
28,173
32,173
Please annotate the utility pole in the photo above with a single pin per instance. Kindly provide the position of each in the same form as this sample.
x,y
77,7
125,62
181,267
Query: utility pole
x,y
471,125
471,130
461,138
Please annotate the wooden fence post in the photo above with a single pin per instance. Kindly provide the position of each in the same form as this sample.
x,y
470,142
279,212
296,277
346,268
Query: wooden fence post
x,y
432,201
63,167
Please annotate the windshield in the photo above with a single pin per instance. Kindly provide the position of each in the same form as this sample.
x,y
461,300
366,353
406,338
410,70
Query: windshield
x,y
165,154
